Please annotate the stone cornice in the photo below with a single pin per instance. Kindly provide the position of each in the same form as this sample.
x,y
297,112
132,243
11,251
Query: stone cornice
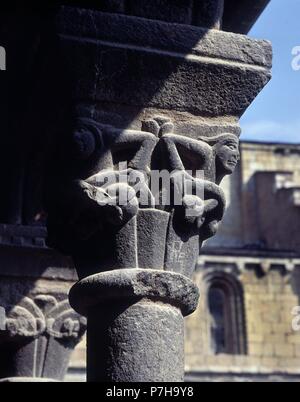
x,y
237,264
207,73
173,39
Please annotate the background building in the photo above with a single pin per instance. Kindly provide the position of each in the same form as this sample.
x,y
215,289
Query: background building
x,y
249,275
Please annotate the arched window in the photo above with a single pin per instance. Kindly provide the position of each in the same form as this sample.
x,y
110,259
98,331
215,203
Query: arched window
x,y
217,305
226,314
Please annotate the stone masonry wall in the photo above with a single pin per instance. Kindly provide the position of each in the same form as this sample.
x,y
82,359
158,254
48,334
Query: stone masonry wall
x,y
272,344
240,227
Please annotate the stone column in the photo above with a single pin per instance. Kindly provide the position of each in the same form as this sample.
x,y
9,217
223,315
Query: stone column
x,y
153,94
38,327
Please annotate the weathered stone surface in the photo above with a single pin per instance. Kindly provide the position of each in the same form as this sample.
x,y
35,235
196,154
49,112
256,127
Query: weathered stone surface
x,y
155,97
151,235
137,324
91,214
168,287
199,83
232,15
164,37
140,342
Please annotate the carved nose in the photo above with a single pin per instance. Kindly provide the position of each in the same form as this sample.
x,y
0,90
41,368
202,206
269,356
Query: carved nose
x,y
237,155
2,319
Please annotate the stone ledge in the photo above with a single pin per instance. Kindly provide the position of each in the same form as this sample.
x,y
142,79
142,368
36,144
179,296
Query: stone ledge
x,y
164,37
191,376
200,85
27,379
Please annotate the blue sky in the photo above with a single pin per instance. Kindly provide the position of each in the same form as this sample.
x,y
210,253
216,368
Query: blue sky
x,y
275,113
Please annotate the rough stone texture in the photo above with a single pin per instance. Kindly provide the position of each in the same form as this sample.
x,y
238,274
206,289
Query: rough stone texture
x,y
81,211
175,38
135,342
232,15
169,287
198,83
135,320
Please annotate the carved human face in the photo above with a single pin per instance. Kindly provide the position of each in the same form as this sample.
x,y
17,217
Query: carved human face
x,y
227,155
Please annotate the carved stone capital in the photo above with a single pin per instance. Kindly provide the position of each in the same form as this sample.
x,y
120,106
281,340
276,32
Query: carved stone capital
x,y
43,315
155,189
38,327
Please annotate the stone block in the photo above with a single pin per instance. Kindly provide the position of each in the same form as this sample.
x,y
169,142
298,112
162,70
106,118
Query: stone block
x,y
274,338
297,350
255,349
269,363
271,317
254,337
268,350
289,364
189,69
220,360
293,338
284,350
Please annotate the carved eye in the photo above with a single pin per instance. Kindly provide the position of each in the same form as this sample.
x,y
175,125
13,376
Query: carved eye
x,y
232,146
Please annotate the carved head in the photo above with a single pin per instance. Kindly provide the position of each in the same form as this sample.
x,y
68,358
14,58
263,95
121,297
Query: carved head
x,y
227,154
